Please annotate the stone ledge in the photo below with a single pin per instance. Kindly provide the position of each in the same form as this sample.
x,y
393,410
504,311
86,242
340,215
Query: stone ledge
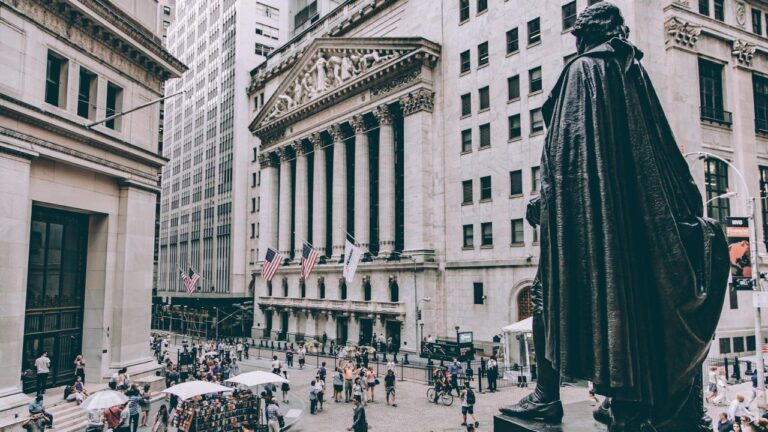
x,y
578,418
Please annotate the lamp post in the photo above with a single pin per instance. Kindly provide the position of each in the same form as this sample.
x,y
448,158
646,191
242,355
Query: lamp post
x,y
756,286
419,318
217,322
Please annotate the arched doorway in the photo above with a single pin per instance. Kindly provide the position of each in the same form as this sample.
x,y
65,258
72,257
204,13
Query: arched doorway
x,y
524,304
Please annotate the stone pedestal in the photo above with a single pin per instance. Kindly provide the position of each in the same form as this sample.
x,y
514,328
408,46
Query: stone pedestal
x,y
578,418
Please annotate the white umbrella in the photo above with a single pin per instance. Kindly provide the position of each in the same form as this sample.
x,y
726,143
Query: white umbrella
x,y
211,353
195,388
103,399
253,379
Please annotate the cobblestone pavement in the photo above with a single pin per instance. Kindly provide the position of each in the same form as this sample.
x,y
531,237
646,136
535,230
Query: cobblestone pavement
x,y
412,414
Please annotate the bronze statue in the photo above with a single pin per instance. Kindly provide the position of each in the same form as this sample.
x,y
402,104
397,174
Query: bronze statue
x,y
631,277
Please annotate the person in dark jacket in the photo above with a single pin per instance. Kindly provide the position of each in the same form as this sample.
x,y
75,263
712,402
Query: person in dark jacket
x,y
359,421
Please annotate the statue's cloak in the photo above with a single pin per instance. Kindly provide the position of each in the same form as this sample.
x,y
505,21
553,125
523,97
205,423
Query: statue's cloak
x,y
633,276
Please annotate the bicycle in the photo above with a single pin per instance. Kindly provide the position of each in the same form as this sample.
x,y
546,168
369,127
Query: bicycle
x,y
445,397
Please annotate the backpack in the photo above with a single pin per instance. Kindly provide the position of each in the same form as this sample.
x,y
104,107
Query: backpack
x,y
67,391
470,397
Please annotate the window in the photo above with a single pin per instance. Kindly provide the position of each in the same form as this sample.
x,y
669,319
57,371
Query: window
x,y
267,31
463,10
466,192
114,105
255,156
482,6
253,205
537,121
485,98
469,236
760,95
466,63
711,93
321,289
569,57
486,230
253,230
343,291
720,10
166,10
513,43
764,199
86,94
56,80
253,179
535,179
394,292
716,184
514,126
307,13
569,15
534,80
750,343
466,104
534,31
516,182
485,188
704,7
466,140
485,135
166,24
725,345
757,21
513,88
591,2
517,232
366,291
262,50
482,54
267,11
478,295
738,344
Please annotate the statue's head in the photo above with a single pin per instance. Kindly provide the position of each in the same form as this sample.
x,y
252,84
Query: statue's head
x,y
597,24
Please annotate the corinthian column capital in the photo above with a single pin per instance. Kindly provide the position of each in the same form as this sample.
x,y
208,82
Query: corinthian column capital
x,y
383,114
417,100
336,133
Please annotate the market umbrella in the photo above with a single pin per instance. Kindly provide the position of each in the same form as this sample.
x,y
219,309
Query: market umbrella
x,y
212,354
195,388
103,399
256,378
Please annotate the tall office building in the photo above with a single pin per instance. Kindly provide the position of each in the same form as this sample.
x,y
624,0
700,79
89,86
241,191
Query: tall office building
x,y
416,128
203,206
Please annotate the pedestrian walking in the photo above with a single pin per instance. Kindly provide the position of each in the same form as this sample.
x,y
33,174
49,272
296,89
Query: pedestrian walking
x,y
370,381
276,365
338,384
349,374
285,387
273,416
357,390
320,385
161,420
312,398
454,369
468,405
134,409
80,367
302,353
239,349
359,421
493,373
712,383
737,410
289,356
43,366
144,404
389,387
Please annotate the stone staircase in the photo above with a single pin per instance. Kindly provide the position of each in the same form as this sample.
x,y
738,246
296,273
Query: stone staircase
x,y
68,417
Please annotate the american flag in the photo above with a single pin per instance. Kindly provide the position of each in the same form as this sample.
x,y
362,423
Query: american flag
x,y
309,258
271,263
189,279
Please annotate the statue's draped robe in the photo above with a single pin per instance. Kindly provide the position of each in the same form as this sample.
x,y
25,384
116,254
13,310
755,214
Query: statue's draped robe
x,y
633,276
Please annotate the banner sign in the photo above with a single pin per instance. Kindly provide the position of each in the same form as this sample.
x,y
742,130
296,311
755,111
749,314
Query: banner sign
x,y
737,232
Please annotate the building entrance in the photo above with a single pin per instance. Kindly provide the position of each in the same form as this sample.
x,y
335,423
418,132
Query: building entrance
x,y
366,332
55,292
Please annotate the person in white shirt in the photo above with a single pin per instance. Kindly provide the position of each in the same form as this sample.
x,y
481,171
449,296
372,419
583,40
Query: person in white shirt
x,y
712,383
342,353
430,339
391,365
737,410
276,365
43,366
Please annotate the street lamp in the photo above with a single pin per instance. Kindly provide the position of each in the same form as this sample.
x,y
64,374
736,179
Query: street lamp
x,y
419,318
756,286
217,322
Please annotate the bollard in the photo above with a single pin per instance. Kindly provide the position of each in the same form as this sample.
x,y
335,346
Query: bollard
x,y
405,361
480,379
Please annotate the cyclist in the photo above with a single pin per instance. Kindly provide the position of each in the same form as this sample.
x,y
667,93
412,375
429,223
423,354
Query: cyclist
x,y
440,383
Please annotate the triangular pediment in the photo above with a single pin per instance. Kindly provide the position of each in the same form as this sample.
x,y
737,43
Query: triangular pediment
x,y
332,67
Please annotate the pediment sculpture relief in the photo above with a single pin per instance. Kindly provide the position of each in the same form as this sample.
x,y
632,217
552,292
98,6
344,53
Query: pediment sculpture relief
x,y
325,71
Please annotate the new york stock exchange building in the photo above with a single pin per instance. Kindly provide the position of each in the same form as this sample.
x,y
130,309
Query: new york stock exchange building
x,y
361,132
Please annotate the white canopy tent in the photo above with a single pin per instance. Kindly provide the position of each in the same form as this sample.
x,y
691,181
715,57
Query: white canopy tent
x,y
196,388
520,352
256,378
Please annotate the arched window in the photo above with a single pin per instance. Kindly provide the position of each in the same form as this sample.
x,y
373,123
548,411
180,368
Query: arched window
x,y
342,289
367,288
285,287
321,287
524,305
269,288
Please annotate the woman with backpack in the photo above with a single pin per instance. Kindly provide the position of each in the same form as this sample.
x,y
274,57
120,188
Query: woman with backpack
x,y
468,404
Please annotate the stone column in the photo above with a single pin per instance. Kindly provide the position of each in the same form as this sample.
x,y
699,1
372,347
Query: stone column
x,y
417,172
353,330
14,256
362,184
339,198
318,195
286,187
268,192
302,199
386,181
132,295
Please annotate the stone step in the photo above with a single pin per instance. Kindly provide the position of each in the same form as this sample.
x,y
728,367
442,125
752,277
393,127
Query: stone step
x,y
69,417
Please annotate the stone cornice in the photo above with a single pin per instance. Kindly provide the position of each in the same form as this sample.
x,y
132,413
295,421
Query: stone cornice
x,y
90,24
57,124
